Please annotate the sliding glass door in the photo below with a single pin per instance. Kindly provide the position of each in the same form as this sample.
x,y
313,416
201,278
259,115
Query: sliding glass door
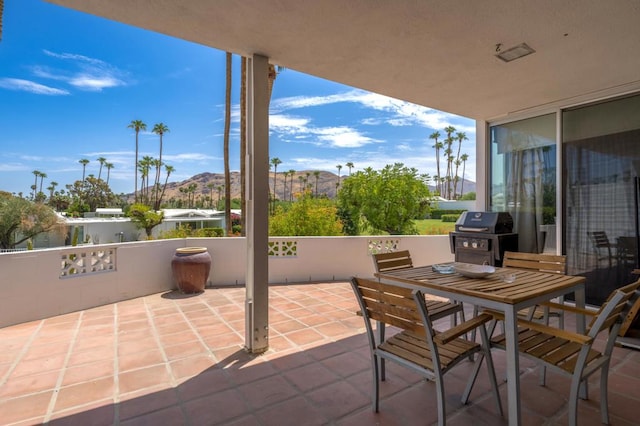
x,y
523,179
601,159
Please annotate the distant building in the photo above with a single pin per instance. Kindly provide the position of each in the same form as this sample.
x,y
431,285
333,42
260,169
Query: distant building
x,y
106,226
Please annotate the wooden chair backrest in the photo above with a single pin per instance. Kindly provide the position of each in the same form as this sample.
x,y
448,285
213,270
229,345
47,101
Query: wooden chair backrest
x,y
615,309
535,261
388,304
600,239
384,262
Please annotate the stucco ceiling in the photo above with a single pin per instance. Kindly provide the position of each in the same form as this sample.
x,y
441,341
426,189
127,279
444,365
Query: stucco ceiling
x,y
436,53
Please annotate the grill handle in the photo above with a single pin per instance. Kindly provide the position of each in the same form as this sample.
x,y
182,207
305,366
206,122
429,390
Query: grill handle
x,y
465,229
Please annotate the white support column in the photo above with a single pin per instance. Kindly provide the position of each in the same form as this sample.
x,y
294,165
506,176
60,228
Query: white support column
x,y
482,165
257,214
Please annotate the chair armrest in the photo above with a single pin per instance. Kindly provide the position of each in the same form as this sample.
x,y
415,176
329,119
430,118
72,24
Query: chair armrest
x,y
569,308
557,332
460,329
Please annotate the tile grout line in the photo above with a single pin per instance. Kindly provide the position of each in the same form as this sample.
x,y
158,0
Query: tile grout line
x,y
63,369
195,329
25,349
156,337
224,320
172,380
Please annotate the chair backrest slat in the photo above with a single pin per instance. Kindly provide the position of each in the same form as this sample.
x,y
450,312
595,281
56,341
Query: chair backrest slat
x,y
535,261
614,309
600,239
389,304
384,262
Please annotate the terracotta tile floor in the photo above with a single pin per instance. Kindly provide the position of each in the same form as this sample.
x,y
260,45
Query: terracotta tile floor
x,y
168,359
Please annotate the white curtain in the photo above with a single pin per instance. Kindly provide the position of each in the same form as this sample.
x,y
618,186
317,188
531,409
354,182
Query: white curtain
x,y
524,196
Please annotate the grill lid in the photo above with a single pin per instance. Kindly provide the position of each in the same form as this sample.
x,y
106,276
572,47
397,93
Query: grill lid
x,y
485,222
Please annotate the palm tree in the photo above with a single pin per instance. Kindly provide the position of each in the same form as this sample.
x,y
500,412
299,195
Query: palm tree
x,y
464,158
101,160
137,126
210,185
42,176
317,175
84,163
275,161
460,136
144,166
220,188
109,166
273,73
52,187
449,155
169,169
155,190
350,166
191,189
284,190
339,167
36,173
437,145
159,129
227,126
291,173
301,180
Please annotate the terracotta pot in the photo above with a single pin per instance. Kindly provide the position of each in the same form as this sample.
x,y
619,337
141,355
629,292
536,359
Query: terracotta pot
x,y
191,267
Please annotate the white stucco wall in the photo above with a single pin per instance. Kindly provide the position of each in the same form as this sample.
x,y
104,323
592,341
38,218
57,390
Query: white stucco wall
x,y
31,287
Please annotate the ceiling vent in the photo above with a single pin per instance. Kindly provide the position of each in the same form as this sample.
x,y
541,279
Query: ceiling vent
x,y
515,52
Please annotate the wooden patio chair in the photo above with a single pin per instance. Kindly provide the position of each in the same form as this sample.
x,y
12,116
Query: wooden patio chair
x,y
541,262
601,243
417,345
384,262
572,353
392,261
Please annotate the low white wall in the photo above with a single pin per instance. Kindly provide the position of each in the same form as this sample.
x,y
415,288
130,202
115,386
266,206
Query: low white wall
x,y
31,287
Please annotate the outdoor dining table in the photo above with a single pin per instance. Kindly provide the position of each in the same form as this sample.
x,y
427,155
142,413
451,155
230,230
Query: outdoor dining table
x,y
528,289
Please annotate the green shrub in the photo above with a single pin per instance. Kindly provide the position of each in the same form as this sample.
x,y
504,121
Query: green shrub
x,y
450,217
437,213
182,231
208,232
309,216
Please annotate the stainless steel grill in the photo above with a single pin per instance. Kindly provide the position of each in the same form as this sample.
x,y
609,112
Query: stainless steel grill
x,y
483,237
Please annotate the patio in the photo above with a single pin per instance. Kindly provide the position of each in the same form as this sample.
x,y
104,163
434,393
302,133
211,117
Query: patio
x,y
172,359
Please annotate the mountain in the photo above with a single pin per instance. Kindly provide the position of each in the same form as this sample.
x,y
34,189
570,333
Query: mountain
x,y
326,184
207,184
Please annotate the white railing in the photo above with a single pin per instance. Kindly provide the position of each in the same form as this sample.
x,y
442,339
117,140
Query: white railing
x,y
38,284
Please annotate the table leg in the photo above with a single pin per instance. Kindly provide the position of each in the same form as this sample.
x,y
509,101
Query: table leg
x,y
513,364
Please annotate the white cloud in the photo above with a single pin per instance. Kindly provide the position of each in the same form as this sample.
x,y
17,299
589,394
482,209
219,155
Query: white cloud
x,y
342,137
30,86
299,129
288,124
371,121
400,113
95,83
89,74
193,156
12,167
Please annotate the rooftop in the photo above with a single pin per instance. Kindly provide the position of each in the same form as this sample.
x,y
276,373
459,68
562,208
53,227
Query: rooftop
x,y
174,359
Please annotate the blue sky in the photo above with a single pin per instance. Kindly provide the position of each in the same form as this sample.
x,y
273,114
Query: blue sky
x,y
70,83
